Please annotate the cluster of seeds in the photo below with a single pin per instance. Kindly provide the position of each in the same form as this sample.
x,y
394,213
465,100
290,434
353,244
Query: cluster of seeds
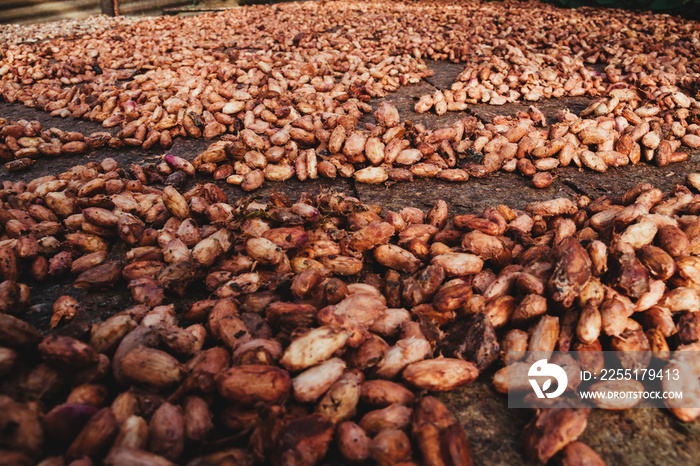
x,y
321,324
327,320
289,85
12,34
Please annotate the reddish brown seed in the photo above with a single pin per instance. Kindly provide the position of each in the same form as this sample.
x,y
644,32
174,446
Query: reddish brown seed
x,y
152,367
251,383
353,441
390,447
394,416
95,437
552,429
305,439
580,454
542,180
572,271
441,374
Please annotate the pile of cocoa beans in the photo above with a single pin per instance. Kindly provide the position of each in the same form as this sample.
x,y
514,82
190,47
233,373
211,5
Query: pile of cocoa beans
x,y
327,321
32,33
289,86
25,141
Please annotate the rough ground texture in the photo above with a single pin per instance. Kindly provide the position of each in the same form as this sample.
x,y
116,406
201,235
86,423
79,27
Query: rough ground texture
x,y
633,437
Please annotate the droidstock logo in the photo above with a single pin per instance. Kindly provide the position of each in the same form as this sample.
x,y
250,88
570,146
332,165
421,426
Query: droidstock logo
x,y
541,369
